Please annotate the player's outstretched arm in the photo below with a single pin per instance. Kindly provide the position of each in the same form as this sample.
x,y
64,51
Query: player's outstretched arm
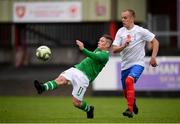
x,y
80,44
99,57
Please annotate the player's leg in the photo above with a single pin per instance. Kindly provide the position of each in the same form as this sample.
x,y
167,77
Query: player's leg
x,y
84,106
78,94
133,76
80,83
62,79
50,85
136,73
124,74
130,96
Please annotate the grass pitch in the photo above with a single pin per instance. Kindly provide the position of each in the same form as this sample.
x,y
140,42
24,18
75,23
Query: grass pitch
x,y
107,110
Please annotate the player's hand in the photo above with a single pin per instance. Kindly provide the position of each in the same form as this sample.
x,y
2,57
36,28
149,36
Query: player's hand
x,y
80,44
126,44
153,62
128,40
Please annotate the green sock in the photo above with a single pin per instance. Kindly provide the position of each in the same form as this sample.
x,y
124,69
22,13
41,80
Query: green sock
x,y
50,85
85,106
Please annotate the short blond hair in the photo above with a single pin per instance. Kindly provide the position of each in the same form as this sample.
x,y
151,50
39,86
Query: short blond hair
x,y
132,12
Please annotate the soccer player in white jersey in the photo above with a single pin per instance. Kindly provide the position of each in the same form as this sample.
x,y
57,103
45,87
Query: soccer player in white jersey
x,y
130,42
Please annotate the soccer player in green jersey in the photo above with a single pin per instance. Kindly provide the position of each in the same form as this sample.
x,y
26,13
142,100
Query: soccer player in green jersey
x,y
81,74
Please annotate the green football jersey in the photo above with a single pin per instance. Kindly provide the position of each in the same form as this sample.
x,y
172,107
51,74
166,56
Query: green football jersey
x,y
93,63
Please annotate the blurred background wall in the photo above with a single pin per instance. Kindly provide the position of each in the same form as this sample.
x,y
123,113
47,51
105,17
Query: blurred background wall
x,y
27,24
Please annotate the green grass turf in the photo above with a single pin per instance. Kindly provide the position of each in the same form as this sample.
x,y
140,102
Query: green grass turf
x,y
107,110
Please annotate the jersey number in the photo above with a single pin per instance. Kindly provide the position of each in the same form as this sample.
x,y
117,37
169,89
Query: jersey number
x,y
79,91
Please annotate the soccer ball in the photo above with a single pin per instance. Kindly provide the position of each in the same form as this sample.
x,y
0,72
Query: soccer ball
x,y
43,53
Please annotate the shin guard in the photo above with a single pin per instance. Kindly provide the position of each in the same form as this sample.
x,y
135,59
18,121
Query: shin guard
x,y
130,92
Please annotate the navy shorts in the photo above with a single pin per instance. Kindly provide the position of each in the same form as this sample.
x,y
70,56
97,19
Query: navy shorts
x,y
134,71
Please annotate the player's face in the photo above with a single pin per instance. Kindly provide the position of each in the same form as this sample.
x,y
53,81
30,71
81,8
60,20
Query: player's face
x,y
103,44
127,19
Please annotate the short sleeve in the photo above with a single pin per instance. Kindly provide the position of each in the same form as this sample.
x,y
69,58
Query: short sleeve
x,y
147,35
117,41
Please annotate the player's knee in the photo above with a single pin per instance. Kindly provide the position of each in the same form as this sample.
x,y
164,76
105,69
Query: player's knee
x,y
76,103
129,81
61,80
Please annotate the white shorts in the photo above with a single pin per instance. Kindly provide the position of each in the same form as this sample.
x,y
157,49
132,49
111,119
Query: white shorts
x,y
79,81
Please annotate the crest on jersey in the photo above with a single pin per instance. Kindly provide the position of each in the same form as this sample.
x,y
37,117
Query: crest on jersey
x,y
20,11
